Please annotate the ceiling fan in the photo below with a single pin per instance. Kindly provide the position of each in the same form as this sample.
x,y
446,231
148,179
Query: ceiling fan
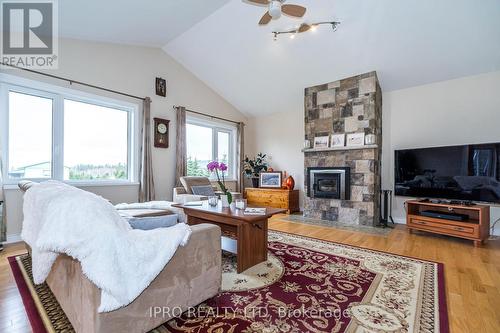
x,y
276,8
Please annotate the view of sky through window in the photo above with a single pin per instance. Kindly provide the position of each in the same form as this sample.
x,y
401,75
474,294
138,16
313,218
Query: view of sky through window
x,y
30,136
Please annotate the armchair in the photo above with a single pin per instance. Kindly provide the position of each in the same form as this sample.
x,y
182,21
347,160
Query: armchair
x,y
185,194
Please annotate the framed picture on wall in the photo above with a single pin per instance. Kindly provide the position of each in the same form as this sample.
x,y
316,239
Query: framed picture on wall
x,y
161,87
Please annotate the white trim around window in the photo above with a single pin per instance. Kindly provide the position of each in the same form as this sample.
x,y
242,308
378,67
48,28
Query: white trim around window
x,y
11,83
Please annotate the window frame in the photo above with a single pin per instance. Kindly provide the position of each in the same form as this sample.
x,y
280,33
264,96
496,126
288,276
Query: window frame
x,y
216,127
58,95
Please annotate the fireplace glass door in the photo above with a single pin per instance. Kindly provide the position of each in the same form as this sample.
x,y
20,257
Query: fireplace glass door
x,y
331,183
327,186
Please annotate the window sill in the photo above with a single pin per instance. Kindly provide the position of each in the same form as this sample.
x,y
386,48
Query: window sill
x,y
82,184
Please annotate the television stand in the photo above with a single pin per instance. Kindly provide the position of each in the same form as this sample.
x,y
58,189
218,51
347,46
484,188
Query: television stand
x,y
474,225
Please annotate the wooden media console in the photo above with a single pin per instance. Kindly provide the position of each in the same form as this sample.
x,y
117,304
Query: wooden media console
x,y
475,226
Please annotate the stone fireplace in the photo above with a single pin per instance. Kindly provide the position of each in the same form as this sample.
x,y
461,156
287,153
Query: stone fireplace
x,y
343,183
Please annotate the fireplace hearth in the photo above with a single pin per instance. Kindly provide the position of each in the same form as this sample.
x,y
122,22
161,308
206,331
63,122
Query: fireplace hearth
x,y
329,183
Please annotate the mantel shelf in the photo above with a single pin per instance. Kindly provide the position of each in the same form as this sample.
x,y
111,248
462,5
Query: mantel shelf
x,y
316,150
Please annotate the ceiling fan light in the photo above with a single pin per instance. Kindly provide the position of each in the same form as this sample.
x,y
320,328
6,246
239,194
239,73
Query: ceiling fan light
x,y
275,9
314,27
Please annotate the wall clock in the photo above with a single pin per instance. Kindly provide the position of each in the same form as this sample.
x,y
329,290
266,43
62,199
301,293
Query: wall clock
x,y
161,132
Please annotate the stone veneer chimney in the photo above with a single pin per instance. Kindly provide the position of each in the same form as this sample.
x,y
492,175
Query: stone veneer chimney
x,y
350,105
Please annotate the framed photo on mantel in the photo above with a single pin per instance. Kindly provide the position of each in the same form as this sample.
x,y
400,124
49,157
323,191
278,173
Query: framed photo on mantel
x,y
321,142
355,139
338,140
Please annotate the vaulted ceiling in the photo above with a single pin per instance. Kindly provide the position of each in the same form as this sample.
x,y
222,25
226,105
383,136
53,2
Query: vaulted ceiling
x,y
408,42
139,22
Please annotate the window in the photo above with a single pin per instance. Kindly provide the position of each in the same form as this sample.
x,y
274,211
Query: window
x,y
30,136
56,133
207,141
94,149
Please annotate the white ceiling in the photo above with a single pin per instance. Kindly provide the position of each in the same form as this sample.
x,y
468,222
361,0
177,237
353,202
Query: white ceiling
x,y
408,43
145,22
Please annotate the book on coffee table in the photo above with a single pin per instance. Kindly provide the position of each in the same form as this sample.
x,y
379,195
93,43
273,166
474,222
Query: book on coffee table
x,y
254,211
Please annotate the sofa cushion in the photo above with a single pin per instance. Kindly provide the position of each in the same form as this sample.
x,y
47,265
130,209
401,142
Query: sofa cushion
x,y
205,190
153,222
189,182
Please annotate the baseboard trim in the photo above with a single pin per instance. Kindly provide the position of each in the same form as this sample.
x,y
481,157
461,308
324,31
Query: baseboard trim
x,y
14,238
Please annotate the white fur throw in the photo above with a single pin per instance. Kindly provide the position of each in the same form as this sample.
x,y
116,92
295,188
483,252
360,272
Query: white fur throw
x,y
120,261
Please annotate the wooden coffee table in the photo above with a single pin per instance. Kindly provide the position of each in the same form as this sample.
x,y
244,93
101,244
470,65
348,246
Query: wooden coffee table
x,y
250,231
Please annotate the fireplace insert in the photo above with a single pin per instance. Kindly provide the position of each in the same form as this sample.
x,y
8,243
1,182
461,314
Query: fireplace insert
x,y
329,182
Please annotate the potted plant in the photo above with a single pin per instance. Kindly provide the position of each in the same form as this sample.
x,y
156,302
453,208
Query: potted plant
x,y
253,167
215,167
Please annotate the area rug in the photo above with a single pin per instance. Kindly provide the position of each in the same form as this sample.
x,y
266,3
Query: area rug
x,y
308,285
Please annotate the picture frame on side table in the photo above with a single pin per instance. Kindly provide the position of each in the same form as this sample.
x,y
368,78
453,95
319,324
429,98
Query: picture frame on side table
x,y
338,140
355,139
270,179
321,142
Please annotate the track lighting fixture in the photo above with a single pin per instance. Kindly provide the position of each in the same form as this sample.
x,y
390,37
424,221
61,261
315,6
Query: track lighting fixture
x,y
303,28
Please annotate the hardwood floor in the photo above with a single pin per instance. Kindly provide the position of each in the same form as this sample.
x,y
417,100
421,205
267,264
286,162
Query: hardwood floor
x,y
12,314
472,274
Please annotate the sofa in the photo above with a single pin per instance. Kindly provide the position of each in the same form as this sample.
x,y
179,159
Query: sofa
x,y
184,193
191,276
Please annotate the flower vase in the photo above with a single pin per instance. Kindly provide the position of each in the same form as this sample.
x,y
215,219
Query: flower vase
x,y
224,201
255,182
283,181
290,183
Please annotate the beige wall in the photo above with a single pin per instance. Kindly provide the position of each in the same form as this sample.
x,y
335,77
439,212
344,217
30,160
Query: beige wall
x,y
133,70
461,111
465,110
281,137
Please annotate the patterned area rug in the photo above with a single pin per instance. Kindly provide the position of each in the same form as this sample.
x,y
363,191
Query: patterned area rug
x,y
307,285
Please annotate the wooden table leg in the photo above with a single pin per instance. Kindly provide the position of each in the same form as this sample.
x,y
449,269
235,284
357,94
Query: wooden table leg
x,y
252,244
251,238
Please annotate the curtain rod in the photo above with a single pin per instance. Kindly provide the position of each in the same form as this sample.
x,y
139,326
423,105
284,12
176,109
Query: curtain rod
x,y
73,81
208,115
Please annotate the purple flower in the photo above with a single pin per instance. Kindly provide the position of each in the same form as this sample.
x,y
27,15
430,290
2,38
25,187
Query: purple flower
x,y
222,167
214,165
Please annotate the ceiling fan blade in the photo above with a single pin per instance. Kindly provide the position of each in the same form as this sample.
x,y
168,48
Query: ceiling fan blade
x,y
293,10
304,27
257,2
265,19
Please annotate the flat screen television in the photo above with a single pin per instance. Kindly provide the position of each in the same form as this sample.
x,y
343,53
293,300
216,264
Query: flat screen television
x,y
468,172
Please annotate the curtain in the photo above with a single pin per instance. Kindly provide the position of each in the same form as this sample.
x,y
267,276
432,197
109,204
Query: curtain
x,y
3,221
180,151
147,185
240,156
